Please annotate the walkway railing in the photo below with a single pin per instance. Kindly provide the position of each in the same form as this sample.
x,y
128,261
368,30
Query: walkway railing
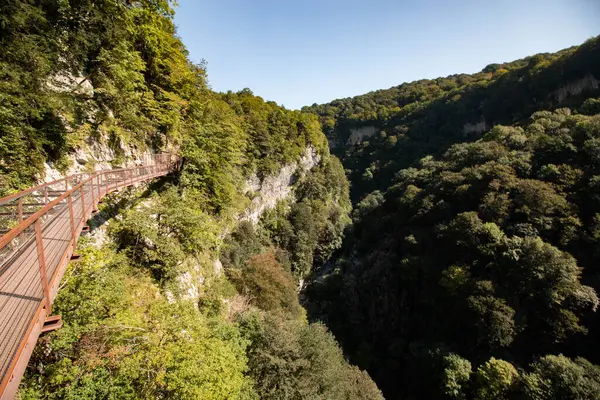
x,y
39,228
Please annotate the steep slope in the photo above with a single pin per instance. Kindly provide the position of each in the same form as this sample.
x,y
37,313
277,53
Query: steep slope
x,y
471,270
112,73
381,132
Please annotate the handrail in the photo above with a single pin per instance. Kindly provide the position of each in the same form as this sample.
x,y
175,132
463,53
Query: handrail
x,y
26,223
5,239
41,245
6,199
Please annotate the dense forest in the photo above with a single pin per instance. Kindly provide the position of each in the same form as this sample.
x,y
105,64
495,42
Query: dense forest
x,y
426,117
115,72
471,266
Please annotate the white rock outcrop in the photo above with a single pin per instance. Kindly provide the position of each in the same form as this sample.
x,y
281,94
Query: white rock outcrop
x,y
94,153
477,127
276,187
65,82
266,194
359,134
587,83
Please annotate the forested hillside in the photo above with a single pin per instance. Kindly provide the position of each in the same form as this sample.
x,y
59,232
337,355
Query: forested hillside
x,y
466,265
471,268
426,117
148,311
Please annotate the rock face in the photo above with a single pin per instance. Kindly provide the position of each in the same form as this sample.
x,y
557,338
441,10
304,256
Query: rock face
x,y
94,153
357,135
587,83
190,287
65,82
276,187
477,127
266,194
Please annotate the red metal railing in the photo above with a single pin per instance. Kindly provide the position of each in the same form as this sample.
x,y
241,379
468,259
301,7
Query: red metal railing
x,y
40,227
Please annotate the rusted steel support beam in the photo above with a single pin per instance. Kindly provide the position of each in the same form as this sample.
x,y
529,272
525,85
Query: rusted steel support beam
x,y
20,209
82,192
92,190
42,262
52,323
72,219
10,385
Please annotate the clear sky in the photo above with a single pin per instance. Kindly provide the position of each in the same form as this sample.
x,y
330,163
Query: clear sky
x,y
300,52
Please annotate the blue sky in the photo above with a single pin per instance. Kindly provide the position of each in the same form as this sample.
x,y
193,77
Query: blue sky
x,y
302,52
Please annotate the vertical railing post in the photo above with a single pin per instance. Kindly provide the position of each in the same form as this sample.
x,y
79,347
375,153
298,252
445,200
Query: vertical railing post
x,y
45,194
82,192
91,193
20,209
42,262
95,178
72,219
93,196
100,188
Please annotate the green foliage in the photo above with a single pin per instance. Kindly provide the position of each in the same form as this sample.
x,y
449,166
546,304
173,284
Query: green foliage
x,y
558,377
269,286
236,133
488,250
122,339
495,379
164,232
456,374
213,154
278,136
306,233
126,50
427,116
114,71
313,228
289,359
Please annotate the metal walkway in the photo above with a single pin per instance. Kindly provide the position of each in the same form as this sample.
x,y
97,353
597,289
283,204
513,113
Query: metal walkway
x,y
39,229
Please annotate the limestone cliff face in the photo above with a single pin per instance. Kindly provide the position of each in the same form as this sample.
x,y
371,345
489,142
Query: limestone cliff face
x,y
585,84
265,195
475,127
270,190
195,272
94,152
359,134
95,155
